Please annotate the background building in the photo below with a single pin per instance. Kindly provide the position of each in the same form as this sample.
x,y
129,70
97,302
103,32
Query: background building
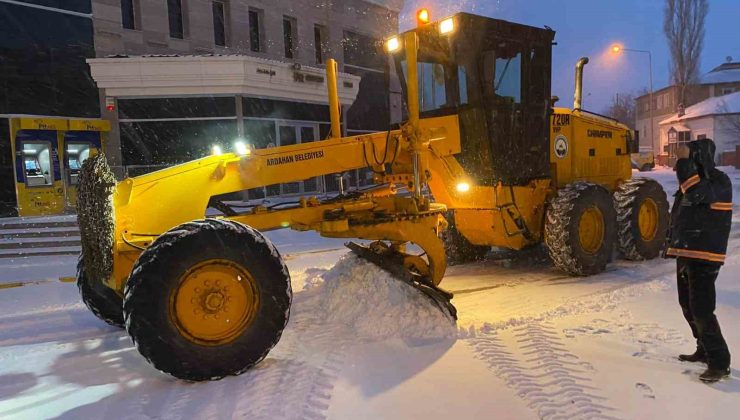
x,y
178,125
44,45
717,118
722,80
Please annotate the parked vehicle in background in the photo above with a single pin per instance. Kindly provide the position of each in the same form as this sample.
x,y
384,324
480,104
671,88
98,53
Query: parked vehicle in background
x,y
644,160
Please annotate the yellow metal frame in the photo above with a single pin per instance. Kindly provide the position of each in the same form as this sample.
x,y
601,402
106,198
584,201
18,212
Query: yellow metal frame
x,y
151,204
597,149
423,153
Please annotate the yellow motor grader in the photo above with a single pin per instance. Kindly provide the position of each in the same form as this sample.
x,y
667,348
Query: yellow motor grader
x,y
205,297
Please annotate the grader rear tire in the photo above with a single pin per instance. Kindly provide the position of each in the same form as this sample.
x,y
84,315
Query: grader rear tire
x,y
457,248
642,218
207,299
102,301
580,229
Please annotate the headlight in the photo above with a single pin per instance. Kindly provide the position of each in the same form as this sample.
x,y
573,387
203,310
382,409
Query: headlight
x,y
463,187
393,44
216,150
242,149
447,26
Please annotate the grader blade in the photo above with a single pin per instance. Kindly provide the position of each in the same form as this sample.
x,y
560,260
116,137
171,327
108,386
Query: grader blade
x,y
405,267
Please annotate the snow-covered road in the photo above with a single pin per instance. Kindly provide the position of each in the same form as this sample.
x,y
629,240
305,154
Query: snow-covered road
x,y
530,343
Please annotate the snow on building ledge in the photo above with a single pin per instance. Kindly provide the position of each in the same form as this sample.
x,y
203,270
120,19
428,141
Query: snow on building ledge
x,y
724,73
718,105
216,75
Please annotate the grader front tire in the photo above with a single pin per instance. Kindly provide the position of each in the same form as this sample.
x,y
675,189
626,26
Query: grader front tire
x,y
100,299
642,218
207,299
580,229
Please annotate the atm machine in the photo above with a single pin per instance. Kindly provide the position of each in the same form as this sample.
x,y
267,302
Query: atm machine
x,y
85,138
48,155
38,180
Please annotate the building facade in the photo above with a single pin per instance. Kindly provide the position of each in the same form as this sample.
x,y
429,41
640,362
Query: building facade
x,y
717,118
722,80
45,45
43,48
179,126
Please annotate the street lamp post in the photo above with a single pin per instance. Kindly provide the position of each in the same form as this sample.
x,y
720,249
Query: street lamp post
x,y
617,49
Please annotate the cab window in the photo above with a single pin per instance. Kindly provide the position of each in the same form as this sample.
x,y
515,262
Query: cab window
x,y
508,81
502,70
439,86
37,163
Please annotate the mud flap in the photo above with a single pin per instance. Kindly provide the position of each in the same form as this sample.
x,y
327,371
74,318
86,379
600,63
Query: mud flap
x,y
393,262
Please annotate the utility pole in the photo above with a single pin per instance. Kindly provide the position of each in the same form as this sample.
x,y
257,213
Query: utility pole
x,y
617,49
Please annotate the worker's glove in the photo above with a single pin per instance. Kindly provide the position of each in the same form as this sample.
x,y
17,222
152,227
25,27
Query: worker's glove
x,y
702,159
685,169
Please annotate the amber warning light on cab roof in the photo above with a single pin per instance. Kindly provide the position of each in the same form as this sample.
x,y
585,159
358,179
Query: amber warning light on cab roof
x,y
423,17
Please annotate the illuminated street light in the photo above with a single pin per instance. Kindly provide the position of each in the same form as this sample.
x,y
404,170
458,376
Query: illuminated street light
x,y
617,49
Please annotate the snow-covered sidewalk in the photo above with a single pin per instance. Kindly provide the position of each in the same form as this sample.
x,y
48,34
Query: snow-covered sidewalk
x,y
529,343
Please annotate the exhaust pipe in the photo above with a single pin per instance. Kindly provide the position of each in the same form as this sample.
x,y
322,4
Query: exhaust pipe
x,y
578,99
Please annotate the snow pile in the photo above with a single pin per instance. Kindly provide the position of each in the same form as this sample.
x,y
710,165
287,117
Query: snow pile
x,y
312,277
377,306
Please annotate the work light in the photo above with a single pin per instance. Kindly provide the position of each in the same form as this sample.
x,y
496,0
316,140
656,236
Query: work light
x,y
446,26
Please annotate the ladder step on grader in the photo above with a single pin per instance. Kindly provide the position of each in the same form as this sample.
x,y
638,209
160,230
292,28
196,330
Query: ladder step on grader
x,y
204,298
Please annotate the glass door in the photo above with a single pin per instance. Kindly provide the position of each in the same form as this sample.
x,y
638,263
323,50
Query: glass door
x,y
287,136
290,133
308,134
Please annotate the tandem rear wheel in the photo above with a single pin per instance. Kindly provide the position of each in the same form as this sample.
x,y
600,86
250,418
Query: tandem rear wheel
x,y
642,218
580,229
208,299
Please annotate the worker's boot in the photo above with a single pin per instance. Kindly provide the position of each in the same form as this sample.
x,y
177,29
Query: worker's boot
x,y
713,375
698,356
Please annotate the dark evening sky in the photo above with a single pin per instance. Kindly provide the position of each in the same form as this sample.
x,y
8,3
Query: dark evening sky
x,y
589,27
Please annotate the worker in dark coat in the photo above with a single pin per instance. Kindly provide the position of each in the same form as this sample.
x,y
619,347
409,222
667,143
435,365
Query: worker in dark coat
x,y
700,228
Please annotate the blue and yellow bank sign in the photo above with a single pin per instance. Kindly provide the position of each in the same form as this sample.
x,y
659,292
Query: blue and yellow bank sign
x,y
48,154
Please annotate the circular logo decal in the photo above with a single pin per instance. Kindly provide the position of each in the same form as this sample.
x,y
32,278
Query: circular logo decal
x,y
561,146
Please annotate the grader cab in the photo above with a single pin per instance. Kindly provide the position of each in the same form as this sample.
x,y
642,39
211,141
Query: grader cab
x,y
203,298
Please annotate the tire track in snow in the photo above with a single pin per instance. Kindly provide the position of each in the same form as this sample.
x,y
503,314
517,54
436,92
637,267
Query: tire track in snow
x,y
532,360
297,379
